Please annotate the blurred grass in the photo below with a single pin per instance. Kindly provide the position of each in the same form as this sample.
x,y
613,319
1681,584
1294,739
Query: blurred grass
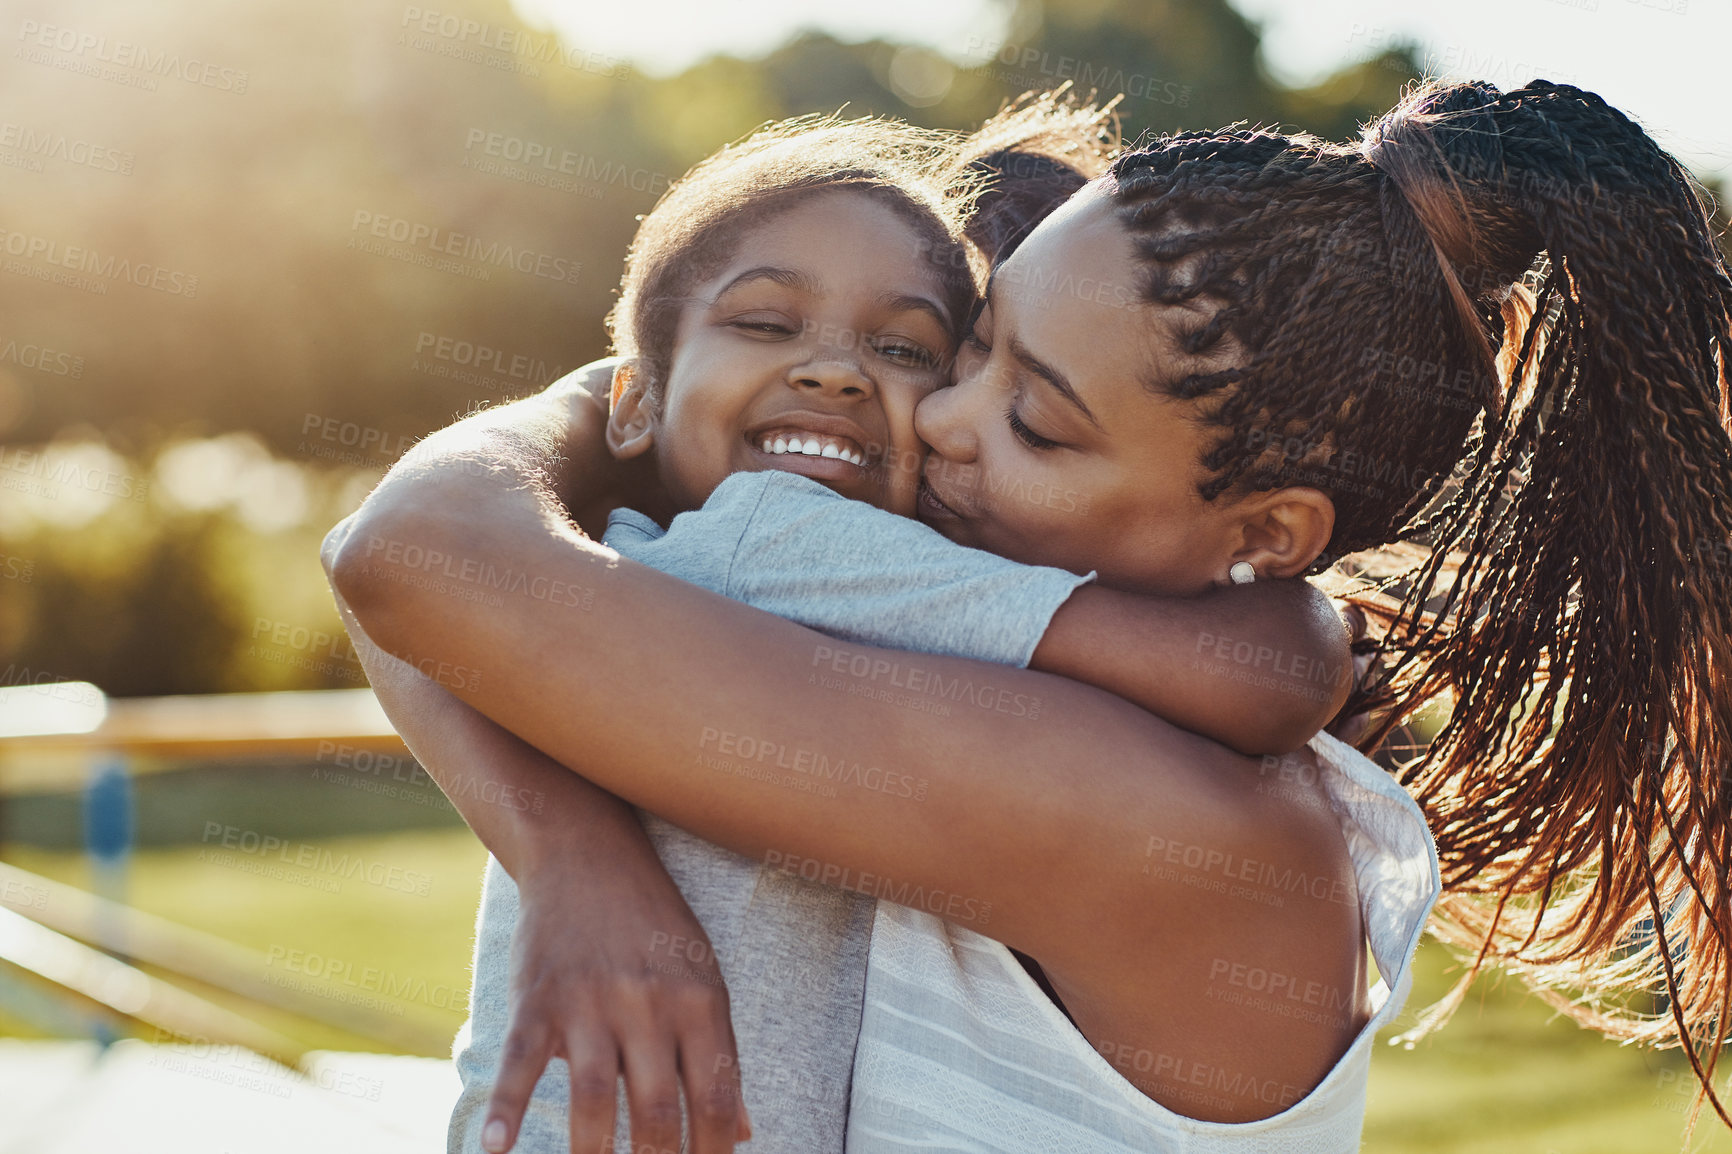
x,y
422,942
1504,1077
1507,1076
176,801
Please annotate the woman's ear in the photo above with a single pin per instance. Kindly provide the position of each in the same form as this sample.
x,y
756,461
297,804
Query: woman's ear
x,y
1284,530
631,419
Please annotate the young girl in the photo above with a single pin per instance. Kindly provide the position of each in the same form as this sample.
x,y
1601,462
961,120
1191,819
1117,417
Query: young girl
x,y
815,217
1290,296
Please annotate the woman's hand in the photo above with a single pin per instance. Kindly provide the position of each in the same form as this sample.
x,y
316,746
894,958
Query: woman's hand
x,y
616,976
590,480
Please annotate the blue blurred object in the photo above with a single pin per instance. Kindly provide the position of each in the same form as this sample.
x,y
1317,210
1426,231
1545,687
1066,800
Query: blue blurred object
x,y
108,818
109,829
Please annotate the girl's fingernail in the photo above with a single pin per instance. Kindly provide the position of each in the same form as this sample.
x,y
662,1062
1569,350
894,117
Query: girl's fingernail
x,y
493,1137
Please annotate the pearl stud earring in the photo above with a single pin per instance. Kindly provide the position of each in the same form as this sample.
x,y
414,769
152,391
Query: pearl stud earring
x,y
1242,573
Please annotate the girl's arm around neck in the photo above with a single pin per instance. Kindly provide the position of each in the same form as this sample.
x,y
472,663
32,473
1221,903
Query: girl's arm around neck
x,y
1260,668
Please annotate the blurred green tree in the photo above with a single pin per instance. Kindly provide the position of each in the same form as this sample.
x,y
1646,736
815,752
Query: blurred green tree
x,y
312,211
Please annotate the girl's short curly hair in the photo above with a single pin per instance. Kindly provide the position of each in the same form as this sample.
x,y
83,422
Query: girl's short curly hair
x,y
699,223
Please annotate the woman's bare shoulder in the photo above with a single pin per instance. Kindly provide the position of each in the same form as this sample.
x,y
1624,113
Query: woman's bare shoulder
x,y
1237,954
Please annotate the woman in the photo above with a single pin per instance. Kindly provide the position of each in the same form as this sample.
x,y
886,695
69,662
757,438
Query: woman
x,y
1296,293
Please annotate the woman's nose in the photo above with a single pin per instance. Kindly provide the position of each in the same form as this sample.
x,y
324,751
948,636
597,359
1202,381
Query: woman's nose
x,y
944,420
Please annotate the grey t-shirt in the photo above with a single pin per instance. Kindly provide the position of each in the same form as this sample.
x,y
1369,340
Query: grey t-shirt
x,y
793,953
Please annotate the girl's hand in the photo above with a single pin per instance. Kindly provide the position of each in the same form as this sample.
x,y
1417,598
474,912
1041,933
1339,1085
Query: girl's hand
x,y
596,381
1347,727
617,977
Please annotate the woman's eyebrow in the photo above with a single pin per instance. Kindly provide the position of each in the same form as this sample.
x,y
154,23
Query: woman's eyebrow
x,y
1035,365
1051,376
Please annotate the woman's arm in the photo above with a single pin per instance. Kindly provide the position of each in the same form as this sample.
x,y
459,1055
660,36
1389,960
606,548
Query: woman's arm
x,y
587,481
672,696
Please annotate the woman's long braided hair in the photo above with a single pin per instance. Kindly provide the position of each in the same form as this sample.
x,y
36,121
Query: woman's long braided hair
x,y
1496,333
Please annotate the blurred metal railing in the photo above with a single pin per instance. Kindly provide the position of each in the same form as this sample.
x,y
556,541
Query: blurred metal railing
x,y
68,736
51,733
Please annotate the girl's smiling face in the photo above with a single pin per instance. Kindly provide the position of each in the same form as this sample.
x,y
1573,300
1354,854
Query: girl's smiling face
x,y
807,352
1055,446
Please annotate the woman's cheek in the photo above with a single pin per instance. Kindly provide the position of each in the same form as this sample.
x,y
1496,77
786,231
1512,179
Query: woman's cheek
x,y
1053,506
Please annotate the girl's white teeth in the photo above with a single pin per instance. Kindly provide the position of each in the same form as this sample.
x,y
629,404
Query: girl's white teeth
x,y
813,447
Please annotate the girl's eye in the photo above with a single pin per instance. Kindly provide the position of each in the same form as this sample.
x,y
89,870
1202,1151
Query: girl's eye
x,y
906,353
1025,434
766,327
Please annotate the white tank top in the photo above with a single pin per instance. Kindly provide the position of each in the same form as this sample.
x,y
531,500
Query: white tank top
x,y
961,1050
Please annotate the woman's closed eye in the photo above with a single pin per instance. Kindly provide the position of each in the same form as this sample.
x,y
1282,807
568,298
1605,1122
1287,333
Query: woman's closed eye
x,y
1025,434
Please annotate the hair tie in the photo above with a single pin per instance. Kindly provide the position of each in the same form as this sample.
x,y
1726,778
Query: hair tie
x,y
1440,207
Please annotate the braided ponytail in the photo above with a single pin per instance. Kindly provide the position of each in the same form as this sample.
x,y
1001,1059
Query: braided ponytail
x,y
1597,802
1511,304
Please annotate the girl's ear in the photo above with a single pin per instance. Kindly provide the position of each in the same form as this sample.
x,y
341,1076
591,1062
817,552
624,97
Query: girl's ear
x,y
631,419
625,371
1284,530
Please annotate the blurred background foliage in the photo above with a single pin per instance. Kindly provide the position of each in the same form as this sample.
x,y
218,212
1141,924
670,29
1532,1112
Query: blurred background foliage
x,y
169,460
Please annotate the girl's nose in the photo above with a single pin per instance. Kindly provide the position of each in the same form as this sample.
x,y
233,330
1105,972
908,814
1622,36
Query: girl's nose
x,y
832,376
